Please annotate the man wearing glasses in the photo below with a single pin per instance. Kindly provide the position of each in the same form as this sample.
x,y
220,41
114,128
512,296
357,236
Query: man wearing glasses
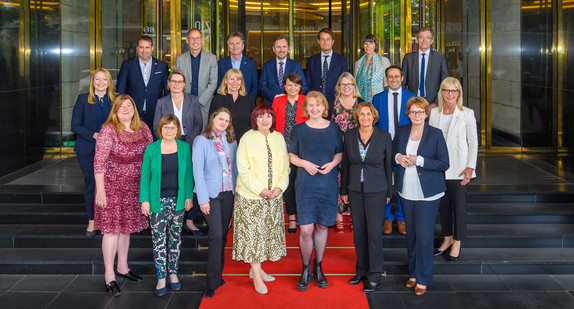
x,y
425,69
392,105
200,70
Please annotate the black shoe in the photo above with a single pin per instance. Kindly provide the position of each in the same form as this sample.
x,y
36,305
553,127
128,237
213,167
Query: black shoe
x,y
306,278
439,253
113,289
130,276
91,234
455,258
222,282
356,280
369,286
209,293
292,230
318,275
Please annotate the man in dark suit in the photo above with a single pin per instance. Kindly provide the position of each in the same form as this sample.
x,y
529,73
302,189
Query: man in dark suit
x,y
431,63
144,78
200,70
323,69
274,71
392,105
236,60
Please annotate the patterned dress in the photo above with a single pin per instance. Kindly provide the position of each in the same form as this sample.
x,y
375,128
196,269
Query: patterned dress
x,y
119,156
259,226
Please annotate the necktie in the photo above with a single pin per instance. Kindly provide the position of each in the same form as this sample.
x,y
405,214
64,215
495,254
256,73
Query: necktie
x,y
324,74
422,79
281,74
396,109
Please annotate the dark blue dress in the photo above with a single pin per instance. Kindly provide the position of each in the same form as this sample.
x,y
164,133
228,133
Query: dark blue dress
x,y
316,195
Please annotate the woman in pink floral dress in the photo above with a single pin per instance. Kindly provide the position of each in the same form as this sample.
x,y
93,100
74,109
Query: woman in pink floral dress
x,y
117,167
346,98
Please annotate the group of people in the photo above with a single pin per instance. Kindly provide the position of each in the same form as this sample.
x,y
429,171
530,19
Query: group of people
x,y
324,144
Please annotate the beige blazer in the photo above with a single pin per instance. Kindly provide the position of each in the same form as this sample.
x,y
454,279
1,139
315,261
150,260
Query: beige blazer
x,y
461,141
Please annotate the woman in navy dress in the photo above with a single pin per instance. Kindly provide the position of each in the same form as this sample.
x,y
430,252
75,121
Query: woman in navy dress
x,y
316,148
90,112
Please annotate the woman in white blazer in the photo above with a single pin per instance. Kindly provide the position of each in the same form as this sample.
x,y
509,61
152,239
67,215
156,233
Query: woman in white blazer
x,y
458,125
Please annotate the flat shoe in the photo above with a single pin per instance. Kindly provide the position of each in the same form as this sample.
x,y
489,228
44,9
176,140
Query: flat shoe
x,y
209,293
176,286
113,289
91,234
262,290
266,278
420,291
130,276
356,280
411,284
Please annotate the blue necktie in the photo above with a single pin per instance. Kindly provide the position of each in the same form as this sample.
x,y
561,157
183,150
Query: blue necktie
x,y
422,79
324,74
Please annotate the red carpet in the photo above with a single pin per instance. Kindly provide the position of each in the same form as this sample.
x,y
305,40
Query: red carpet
x,y
338,265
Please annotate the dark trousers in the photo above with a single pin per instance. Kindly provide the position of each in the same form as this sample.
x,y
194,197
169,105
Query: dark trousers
x,y
289,194
221,209
87,166
452,210
368,213
192,213
420,221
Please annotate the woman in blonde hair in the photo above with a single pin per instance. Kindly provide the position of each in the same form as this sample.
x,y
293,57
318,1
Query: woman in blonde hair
x,y
119,155
232,95
90,112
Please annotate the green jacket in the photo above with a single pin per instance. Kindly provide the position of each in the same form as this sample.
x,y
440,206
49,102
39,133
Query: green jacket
x,y
150,183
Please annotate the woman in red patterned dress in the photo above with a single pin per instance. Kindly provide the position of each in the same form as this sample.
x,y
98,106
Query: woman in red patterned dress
x,y
117,167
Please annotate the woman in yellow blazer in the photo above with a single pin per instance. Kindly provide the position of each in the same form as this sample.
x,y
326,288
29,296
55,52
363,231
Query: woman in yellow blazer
x,y
259,224
166,190
459,129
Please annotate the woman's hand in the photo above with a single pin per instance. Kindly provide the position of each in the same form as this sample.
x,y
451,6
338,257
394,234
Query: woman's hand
x,y
311,168
95,136
388,200
266,194
145,209
205,207
467,173
345,199
188,204
101,198
412,159
327,167
403,160
275,193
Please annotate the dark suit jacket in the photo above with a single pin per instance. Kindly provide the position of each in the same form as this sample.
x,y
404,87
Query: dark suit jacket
x,y
437,70
377,167
314,71
84,124
381,104
130,81
269,82
249,70
435,153
192,121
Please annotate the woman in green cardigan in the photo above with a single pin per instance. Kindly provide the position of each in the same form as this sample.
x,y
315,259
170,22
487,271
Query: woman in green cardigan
x,y
166,190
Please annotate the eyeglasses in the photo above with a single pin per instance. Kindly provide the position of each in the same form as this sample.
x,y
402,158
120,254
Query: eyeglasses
x,y
174,128
419,113
177,82
451,91
347,85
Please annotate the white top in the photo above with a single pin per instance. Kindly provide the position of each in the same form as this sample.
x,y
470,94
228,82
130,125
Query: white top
x,y
391,108
412,189
427,55
179,114
445,121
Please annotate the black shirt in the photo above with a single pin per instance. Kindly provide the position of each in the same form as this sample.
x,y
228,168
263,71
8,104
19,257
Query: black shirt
x,y
169,168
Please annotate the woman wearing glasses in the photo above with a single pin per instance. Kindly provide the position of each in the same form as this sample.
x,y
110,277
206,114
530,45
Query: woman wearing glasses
x,y
341,109
458,126
421,154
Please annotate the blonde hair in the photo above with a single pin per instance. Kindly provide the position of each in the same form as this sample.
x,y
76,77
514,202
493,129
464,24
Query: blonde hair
x,y
135,124
320,98
421,103
111,93
350,77
449,81
223,88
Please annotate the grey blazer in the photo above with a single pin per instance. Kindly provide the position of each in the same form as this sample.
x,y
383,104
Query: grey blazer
x,y
437,70
207,78
192,119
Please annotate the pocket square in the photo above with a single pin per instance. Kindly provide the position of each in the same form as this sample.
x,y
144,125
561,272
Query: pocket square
x,y
159,72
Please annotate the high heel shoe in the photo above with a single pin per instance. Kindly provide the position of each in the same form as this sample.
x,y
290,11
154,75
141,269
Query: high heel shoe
x,y
263,290
339,227
266,277
292,230
455,258
439,253
176,286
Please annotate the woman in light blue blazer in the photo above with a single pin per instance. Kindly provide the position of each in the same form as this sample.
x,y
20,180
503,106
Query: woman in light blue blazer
x,y
215,174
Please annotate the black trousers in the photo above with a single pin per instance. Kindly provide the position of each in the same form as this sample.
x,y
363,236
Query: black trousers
x,y
452,210
221,209
368,214
289,194
87,166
